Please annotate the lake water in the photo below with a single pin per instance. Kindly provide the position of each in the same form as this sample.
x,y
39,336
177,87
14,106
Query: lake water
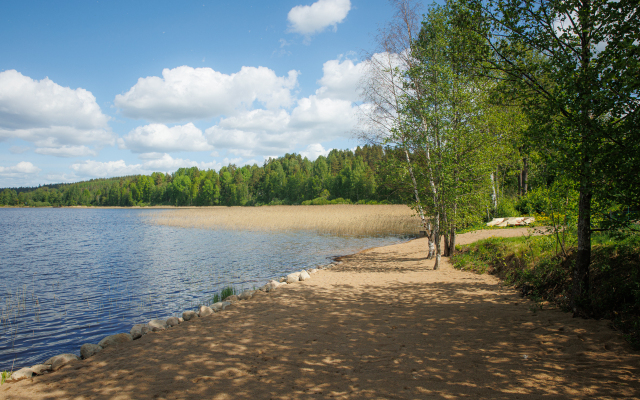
x,y
73,276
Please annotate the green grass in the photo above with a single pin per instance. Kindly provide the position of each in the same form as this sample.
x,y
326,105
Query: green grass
x,y
224,293
535,265
4,376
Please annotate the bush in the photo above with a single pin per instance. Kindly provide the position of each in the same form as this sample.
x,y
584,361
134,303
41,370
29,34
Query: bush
x,y
506,208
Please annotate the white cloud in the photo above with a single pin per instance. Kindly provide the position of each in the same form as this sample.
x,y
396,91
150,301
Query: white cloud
x,y
21,169
193,93
155,163
315,150
341,80
308,20
49,115
107,169
161,138
66,151
263,132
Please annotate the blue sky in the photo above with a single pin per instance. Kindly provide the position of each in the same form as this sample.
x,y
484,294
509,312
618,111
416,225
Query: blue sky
x,y
94,89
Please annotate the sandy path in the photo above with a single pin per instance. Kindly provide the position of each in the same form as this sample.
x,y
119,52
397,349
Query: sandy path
x,y
382,325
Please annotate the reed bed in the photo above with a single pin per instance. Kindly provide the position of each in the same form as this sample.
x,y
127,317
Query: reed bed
x,y
339,219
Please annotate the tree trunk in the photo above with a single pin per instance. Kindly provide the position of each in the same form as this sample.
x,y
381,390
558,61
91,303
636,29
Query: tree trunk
x,y
525,176
436,237
447,249
417,196
452,245
580,292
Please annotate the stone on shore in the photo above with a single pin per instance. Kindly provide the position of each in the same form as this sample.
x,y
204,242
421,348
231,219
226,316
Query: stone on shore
x,y
181,320
173,321
231,298
312,271
58,361
156,325
304,275
88,349
138,331
283,279
295,277
189,315
217,306
23,373
115,339
41,369
246,295
204,311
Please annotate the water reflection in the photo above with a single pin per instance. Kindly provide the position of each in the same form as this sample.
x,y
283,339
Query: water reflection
x,y
73,276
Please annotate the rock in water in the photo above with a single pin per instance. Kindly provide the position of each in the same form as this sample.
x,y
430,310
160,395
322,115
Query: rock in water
x,y
189,315
157,325
204,311
58,361
23,373
295,277
115,339
87,350
138,331
173,321
304,275
246,295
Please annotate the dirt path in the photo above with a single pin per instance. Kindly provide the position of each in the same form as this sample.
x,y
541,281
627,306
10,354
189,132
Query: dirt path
x,y
382,325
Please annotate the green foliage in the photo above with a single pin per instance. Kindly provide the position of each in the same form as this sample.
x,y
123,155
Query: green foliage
x,y
535,266
349,176
506,208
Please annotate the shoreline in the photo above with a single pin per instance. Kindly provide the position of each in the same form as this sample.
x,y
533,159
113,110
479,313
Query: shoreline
x,y
382,324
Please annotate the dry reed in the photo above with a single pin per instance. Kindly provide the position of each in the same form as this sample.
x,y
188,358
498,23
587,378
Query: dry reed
x,y
340,219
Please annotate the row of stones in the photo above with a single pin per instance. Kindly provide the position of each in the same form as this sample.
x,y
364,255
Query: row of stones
x,y
137,331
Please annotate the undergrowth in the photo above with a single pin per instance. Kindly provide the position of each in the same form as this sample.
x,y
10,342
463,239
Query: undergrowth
x,y
536,266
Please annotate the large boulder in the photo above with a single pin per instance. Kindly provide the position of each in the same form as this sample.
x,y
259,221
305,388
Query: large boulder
x,y
58,361
138,331
204,311
304,275
173,321
20,374
189,315
87,350
246,295
295,277
115,339
156,325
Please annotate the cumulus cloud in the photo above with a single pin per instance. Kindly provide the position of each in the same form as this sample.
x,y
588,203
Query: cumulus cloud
x,y
49,115
186,93
161,138
314,151
19,170
264,132
154,163
308,20
340,80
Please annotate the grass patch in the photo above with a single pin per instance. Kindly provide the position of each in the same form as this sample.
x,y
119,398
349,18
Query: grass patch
x,y
224,293
536,267
4,376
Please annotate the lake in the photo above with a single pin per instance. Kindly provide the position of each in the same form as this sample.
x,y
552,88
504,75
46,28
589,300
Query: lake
x,y
73,276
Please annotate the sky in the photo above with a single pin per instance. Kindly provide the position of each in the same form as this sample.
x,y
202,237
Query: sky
x,y
92,89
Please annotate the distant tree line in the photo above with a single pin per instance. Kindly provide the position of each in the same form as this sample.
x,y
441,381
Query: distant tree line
x,y
343,176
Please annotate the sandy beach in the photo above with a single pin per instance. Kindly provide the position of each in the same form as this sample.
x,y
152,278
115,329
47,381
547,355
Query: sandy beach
x,y
380,325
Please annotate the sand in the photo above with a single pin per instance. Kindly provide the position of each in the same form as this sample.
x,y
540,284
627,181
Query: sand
x,y
381,325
